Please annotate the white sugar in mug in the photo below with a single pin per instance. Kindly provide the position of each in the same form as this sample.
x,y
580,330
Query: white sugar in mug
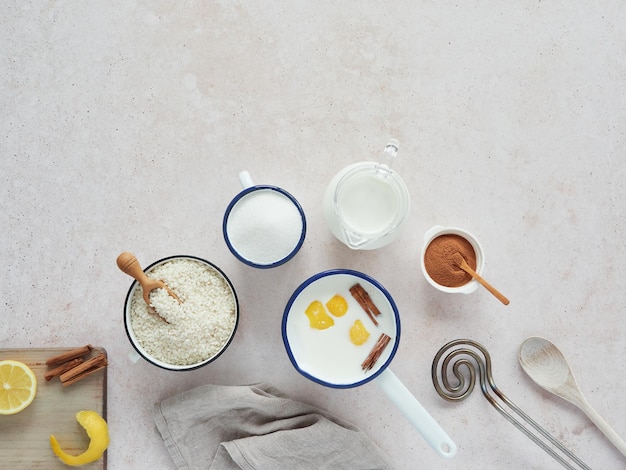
x,y
264,226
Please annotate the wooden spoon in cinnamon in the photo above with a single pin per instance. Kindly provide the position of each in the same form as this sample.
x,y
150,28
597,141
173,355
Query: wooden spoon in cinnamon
x,y
128,263
458,260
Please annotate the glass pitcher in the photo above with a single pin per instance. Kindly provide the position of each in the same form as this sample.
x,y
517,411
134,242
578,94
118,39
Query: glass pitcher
x,y
366,203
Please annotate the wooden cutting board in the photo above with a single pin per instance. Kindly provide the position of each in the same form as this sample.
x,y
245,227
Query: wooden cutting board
x,y
25,436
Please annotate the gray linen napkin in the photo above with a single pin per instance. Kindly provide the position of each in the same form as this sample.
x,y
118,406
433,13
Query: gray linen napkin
x,y
257,427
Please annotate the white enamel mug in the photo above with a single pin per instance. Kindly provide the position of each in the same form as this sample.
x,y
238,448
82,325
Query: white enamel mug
x,y
264,226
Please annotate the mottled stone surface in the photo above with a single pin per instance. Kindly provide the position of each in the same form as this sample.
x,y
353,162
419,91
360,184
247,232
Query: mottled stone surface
x,y
123,126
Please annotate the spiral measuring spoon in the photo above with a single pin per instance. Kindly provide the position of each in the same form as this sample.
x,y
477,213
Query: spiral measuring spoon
x,y
546,365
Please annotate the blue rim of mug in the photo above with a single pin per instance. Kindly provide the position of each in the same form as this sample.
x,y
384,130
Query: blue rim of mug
x,y
164,365
311,280
232,204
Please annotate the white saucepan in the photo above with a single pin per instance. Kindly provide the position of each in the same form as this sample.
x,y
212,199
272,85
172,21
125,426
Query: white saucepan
x,y
329,357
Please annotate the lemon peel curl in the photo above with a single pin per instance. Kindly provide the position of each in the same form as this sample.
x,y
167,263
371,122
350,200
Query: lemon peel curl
x,y
98,432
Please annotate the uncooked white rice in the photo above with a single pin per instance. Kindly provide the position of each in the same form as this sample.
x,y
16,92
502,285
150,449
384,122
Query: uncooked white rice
x,y
199,327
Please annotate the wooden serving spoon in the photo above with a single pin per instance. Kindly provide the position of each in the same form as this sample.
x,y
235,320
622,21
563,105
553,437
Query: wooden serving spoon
x,y
128,263
458,260
546,365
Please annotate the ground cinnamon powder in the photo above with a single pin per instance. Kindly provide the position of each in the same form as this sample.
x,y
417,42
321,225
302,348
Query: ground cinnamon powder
x,y
438,260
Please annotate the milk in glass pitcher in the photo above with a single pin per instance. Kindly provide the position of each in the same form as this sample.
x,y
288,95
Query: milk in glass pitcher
x,y
366,203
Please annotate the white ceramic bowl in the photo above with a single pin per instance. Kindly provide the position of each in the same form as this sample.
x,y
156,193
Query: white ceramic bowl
x,y
435,232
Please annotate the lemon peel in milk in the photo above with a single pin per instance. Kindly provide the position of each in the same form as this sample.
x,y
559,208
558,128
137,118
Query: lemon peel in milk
x,y
318,318
337,305
358,333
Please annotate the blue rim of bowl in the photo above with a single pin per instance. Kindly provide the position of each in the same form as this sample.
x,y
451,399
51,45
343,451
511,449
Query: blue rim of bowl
x,y
311,280
161,364
236,199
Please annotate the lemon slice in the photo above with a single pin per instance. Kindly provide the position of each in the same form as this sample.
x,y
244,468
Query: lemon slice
x,y
98,432
18,387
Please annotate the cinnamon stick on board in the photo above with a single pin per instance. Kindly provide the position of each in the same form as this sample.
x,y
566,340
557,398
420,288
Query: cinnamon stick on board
x,y
81,371
63,368
69,355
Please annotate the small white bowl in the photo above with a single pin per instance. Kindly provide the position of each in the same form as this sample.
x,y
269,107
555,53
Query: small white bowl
x,y
436,231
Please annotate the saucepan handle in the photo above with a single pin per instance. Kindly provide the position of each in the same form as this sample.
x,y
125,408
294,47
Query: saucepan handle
x,y
416,414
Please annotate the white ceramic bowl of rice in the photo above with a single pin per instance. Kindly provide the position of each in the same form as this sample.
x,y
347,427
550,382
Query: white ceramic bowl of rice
x,y
198,329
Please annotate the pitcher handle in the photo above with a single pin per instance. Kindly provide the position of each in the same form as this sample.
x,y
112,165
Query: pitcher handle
x,y
388,156
425,424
